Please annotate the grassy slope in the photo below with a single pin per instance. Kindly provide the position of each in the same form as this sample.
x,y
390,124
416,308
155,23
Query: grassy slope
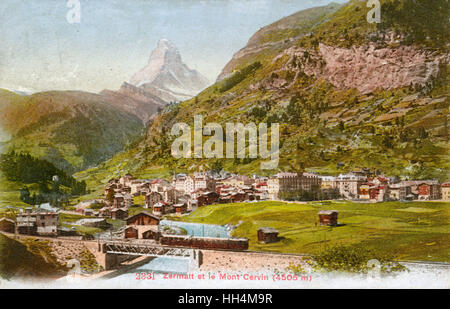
x,y
71,129
411,231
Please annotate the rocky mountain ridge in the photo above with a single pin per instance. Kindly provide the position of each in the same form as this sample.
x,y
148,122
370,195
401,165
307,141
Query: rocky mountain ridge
x,y
366,68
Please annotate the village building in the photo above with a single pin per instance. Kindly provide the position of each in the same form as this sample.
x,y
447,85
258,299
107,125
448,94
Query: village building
x,y
183,183
187,184
429,191
110,189
159,185
238,197
142,226
398,192
207,198
223,190
238,181
180,209
329,187
364,192
414,189
445,191
329,182
224,199
292,182
38,222
119,214
143,218
125,190
261,186
7,225
378,180
119,201
373,192
204,181
137,186
162,208
152,198
262,195
267,235
170,195
128,200
185,199
273,188
47,223
378,193
126,180
349,184
328,217
104,212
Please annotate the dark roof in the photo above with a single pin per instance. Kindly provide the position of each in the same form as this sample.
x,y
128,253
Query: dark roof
x,y
118,209
327,212
145,213
7,219
268,230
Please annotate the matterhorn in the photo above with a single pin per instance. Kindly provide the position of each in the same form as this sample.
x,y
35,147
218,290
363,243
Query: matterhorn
x,y
167,77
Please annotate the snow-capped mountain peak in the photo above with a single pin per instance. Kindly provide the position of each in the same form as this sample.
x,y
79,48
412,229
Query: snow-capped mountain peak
x,y
167,72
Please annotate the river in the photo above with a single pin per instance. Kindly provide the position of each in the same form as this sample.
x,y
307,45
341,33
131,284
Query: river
x,y
199,229
173,265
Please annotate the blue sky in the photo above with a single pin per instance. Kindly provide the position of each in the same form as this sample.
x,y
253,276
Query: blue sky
x,y
40,50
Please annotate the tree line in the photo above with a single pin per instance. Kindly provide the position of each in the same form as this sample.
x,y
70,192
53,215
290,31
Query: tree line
x,y
55,185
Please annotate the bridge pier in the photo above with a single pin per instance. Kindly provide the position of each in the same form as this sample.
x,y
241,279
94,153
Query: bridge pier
x,y
106,260
195,260
110,261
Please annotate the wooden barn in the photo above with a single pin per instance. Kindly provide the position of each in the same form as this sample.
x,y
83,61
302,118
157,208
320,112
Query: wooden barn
x,y
131,232
7,225
328,217
180,209
267,235
162,208
208,198
150,233
119,214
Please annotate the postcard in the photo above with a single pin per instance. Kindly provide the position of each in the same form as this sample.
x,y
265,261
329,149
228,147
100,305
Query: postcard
x,y
224,144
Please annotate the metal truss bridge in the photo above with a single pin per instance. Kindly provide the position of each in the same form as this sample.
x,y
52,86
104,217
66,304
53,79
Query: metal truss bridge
x,y
148,249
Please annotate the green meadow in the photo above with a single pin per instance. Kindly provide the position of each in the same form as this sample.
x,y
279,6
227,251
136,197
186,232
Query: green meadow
x,y
410,230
